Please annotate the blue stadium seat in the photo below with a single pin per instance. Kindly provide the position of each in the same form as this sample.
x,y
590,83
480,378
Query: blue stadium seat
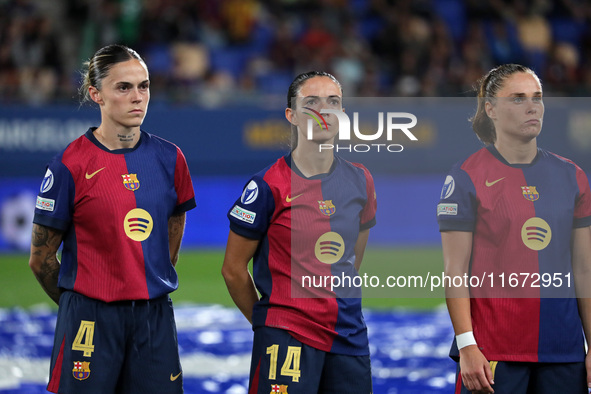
x,y
274,82
509,51
261,39
369,27
159,58
231,59
453,14
568,30
536,60
358,7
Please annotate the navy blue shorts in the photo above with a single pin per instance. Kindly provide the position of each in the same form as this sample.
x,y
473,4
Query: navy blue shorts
x,y
118,347
282,364
534,378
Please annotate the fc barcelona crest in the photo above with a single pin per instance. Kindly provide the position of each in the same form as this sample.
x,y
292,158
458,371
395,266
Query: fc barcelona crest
x,y
81,370
327,207
530,193
131,182
279,389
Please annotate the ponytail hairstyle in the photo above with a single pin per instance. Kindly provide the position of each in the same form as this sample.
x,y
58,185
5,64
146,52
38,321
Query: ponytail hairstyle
x,y
487,89
294,90
98,67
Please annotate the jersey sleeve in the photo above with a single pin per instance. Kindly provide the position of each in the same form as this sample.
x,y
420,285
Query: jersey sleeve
x,y
183,185
583,202
55,201
457,206
368,214
251,214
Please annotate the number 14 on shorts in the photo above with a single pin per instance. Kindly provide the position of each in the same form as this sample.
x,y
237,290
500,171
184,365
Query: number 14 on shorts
x,y
291,366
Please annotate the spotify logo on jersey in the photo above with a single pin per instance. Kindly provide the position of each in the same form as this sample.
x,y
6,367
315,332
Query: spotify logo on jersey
x,y
138,224
536,233
329,248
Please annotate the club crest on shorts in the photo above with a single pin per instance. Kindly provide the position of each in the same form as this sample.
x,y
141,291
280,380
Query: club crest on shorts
x,y
530,193
131,182
81,370
327,207
279,388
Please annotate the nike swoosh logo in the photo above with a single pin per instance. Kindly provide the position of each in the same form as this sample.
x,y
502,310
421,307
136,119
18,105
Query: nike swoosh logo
x,y
173,378
287,199
489,184
88,176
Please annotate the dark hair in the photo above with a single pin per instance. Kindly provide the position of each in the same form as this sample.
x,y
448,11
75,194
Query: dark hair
x,y
97,68
487,89
294,90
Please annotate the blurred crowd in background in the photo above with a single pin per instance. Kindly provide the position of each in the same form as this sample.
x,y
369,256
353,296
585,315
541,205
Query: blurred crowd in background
x,y
217,52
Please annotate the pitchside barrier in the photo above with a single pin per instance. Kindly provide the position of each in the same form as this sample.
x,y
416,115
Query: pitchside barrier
x,y
407,143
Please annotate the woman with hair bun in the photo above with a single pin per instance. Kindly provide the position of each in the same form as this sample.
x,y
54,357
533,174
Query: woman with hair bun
x,y
116,198
518,218
307,215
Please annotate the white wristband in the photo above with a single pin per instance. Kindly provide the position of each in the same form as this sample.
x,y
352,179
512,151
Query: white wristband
x,y
465,339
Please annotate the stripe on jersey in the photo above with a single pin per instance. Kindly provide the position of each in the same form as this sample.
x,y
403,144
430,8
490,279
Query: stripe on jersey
x,y
506,200
103,193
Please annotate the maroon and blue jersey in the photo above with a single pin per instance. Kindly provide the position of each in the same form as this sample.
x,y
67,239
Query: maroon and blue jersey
x,y
522,217
308,228
113,207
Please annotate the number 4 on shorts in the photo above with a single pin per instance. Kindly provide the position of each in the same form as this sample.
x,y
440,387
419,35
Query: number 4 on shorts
x,y
86,333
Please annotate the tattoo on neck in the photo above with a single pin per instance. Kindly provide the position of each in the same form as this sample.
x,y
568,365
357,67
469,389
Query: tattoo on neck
x,y
126,138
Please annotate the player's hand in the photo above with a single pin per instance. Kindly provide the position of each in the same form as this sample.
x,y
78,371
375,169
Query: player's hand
x,y
475,369
588,367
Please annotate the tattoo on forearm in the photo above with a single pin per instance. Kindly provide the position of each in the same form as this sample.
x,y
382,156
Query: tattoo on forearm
x,y
48,276
44,245
126,138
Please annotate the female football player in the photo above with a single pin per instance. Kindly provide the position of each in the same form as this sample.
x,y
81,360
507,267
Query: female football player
x,y
518,216
304,220
116,199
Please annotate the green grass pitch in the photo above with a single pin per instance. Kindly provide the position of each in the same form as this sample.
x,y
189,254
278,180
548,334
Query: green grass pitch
x,y
201,281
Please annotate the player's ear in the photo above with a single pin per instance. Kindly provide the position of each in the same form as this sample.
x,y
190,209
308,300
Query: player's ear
x,y
490,110
95,95
290,115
